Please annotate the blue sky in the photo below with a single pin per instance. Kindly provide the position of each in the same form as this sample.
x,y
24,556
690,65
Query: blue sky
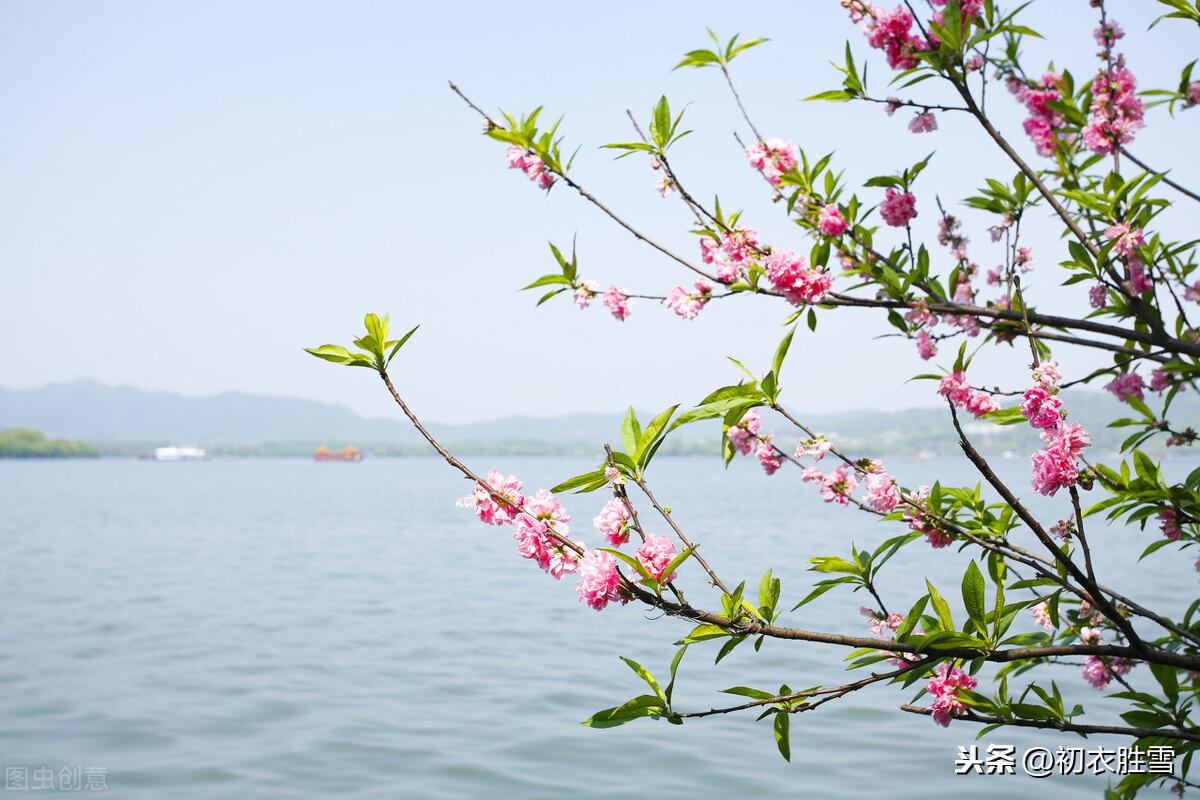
x,y
194,191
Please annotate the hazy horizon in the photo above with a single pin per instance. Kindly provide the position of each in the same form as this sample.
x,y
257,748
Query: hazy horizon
x,y
199,192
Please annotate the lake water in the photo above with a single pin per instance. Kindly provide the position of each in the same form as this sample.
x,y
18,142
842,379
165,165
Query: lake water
x,y
280,628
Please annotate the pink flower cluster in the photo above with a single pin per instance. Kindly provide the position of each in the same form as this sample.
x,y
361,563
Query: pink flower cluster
x,y
925,346
616,300
585,291
1041,615
790,275
934,533
954,387
731,254
1125,240
891,32
688,304
944,687
883,493
490,510
613,522
836,487
1116,110
830,221
532,165
744,434
1127,385
773,158
767,456
1043,122
544,515
882,626
1041,407
656,554
599,582
925,122
898,208
1098,671
1098,295
1168,520
1056,466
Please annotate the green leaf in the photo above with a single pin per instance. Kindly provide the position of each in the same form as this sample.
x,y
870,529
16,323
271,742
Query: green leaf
x,y
400,343
645,675
631,431
585,479
941,607
674,667
781,352
973,595
641,706
330,352
647,437
782,737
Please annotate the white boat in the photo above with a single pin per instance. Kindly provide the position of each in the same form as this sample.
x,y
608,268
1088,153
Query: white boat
x,y
179,454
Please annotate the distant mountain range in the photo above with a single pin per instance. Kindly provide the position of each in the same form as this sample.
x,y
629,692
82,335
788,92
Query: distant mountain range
x,y
121,419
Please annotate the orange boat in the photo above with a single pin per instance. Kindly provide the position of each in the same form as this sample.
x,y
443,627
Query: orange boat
x,y
345,454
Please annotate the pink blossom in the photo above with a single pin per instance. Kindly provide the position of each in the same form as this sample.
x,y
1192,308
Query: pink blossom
x,y
767,456
973,63
616,300
491,511
789,274
830,221
954,387
1192,293
918,314
1107,34
1042,122
710,249
613,477
585,291
1192,95
1089,635
1062,529
1024,259
882,626
925,346
1139,281
892,105
613,522
891,32
535,542
944,687
925,122
1127,385
744,434
898,208
599,582
938,538
1047,375
1160,380
837,486
816,447
740,244
1056,465
1126,240
664,186
1116,110
656,554
1098,671
688,304
1098,295
1041,615
1042,409
993,276
883,494
772,158
1168,521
